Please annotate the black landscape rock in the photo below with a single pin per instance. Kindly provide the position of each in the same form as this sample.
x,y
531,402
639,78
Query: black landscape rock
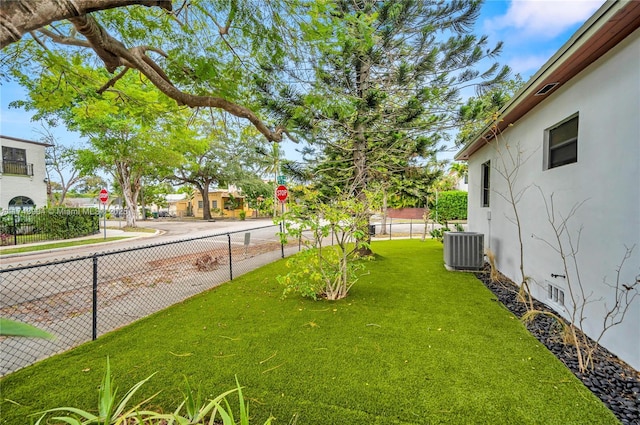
x,y
611,380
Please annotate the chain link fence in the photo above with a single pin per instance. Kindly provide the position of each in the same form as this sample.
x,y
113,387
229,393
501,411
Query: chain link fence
x,y
80,298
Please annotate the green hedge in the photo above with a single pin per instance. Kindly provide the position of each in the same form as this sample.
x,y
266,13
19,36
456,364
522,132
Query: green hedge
x,y
51,223
451,205
65,223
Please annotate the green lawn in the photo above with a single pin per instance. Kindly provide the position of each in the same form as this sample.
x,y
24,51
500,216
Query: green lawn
x,y
412,344
53,245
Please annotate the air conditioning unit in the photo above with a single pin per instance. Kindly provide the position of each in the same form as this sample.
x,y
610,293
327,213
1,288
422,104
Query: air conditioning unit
x,y
463,250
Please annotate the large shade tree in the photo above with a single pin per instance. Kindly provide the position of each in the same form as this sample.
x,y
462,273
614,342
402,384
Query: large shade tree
x,y
203,54
221,153
126,127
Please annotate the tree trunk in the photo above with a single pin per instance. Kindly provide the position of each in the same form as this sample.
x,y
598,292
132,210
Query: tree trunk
x,y
204,192
143,205
360,184
124,179
383,230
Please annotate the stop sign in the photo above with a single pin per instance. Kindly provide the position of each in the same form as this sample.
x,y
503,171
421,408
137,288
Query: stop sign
x,y
104,196
282,193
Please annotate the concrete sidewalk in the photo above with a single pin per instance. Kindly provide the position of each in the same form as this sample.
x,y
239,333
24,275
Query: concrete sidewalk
x,y
98,237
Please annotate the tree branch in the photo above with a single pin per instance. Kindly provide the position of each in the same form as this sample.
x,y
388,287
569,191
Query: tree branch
x,y
19,17
113,81
69,41
114,54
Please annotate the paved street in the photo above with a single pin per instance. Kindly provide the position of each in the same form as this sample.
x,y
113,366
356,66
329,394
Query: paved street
x,y
168,230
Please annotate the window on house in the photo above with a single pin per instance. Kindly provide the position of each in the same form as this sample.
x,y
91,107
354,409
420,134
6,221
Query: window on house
x,y
214,204
21,203
14,154
200,205
561,143
486,172
14,161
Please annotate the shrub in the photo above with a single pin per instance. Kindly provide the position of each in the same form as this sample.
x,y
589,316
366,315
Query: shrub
x,y
66,223
438,234
55,223
451,205
318,271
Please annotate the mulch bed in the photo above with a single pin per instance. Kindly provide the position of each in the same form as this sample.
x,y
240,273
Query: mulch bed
x,y
611,380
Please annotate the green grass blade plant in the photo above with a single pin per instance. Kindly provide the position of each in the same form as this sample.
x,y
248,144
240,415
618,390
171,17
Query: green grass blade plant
x,y
244,408
191,402
12,328
107,414
107,395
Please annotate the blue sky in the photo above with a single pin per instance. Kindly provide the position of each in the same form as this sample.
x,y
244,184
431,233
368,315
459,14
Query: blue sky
x,y
532,31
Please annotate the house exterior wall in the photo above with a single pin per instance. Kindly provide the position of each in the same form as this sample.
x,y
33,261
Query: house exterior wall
x,y
602,188
182,208
34,187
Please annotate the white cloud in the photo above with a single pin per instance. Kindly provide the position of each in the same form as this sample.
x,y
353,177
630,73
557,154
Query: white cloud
x,y
527,65
543,18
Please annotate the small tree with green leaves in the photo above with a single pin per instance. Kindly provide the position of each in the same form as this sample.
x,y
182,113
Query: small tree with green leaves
x,y
321,271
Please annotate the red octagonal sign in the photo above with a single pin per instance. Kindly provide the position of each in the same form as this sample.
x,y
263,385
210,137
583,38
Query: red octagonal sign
x,y
282,193
104,196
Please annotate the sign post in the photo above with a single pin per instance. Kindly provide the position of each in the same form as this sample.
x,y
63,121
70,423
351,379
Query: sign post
x,y
282,193
104,197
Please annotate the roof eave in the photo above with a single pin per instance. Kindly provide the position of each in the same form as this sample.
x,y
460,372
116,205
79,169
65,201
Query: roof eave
x,y
613,22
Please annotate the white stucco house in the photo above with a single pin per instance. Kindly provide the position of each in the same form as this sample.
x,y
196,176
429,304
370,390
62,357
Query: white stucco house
x,y
23,175
573,135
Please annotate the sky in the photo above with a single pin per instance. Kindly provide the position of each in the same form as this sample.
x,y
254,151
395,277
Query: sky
x,y
532,31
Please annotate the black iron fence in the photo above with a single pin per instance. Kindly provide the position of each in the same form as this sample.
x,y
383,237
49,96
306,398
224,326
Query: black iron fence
x,y
408,228
45,224
81,298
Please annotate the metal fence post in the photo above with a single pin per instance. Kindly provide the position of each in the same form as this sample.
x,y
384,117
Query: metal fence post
x,y
94,314
390,222
230,258
15,230
281,242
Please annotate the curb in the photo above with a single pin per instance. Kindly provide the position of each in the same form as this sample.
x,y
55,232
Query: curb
x,y
136,235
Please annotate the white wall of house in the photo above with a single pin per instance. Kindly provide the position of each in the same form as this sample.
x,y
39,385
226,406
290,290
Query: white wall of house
x,y
463,185
34,187
605,178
